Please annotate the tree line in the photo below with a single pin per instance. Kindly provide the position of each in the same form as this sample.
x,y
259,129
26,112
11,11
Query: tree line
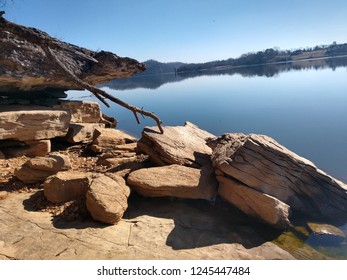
x,y
271,55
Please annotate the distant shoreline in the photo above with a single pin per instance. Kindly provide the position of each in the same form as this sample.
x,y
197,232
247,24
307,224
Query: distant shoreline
x,y
262,64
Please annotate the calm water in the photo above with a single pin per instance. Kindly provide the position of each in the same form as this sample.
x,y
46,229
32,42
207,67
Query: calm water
x,y
304,110
303,107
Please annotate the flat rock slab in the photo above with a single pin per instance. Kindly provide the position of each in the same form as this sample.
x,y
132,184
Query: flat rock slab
x,y
107,198
258,205
32,123
263,164
150,230
38,169
174,180
183,145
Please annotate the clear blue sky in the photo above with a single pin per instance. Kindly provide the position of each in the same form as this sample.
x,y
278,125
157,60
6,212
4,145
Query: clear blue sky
x,y
186,30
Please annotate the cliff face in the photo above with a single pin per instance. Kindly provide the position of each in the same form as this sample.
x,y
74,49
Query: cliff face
x,y
24,66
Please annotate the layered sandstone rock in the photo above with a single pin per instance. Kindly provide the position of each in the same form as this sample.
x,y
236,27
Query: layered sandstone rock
x,y
151,230
27,130
107,198
183,145
264,166
174,180
40,73
105,140
81,111
38,169
82,132
66,186
258,205
26,123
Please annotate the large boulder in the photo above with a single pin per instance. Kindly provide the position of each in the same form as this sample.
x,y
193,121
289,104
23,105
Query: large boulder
x,y
32,123
260,163
66,186
38,169
183,145
39,73
174,180
107,198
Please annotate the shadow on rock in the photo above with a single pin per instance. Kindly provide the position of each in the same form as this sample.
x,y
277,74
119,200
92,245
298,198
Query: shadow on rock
x,y
72,214
199,223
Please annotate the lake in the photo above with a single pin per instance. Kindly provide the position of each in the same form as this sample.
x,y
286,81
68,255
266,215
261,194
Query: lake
x,y
301,105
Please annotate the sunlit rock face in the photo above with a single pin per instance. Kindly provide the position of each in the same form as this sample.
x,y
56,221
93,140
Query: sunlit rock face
x,y
24,66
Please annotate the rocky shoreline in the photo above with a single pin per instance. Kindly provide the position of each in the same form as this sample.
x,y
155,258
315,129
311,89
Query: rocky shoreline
x,y
72,186
87,178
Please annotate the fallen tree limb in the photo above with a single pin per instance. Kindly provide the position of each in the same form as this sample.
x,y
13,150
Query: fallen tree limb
x,y
100,93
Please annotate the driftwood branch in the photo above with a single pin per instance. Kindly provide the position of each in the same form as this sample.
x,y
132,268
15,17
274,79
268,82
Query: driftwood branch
x,y
48,43
100,94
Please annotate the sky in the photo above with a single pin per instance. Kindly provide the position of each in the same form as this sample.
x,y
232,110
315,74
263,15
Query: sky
x,y
185,30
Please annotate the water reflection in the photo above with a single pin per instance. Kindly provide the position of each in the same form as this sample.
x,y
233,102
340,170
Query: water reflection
x,y
270,70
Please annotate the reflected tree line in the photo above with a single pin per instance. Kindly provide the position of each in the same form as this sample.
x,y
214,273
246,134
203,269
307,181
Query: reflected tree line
x,y
269,56
154,81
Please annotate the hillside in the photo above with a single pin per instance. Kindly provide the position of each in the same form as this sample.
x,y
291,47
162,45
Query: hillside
x,y
156,67
269,56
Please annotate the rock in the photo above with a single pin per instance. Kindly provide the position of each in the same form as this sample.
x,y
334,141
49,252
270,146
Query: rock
x,y
26,123
115,161
109,122
124,166
19,73
53,163
82,132
261,206
261,163
38,148
326,229
66,186
81,111
154,229
184,145
130,147
325,235
119,155
106,139
2,156
107,198
38,169
174,180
